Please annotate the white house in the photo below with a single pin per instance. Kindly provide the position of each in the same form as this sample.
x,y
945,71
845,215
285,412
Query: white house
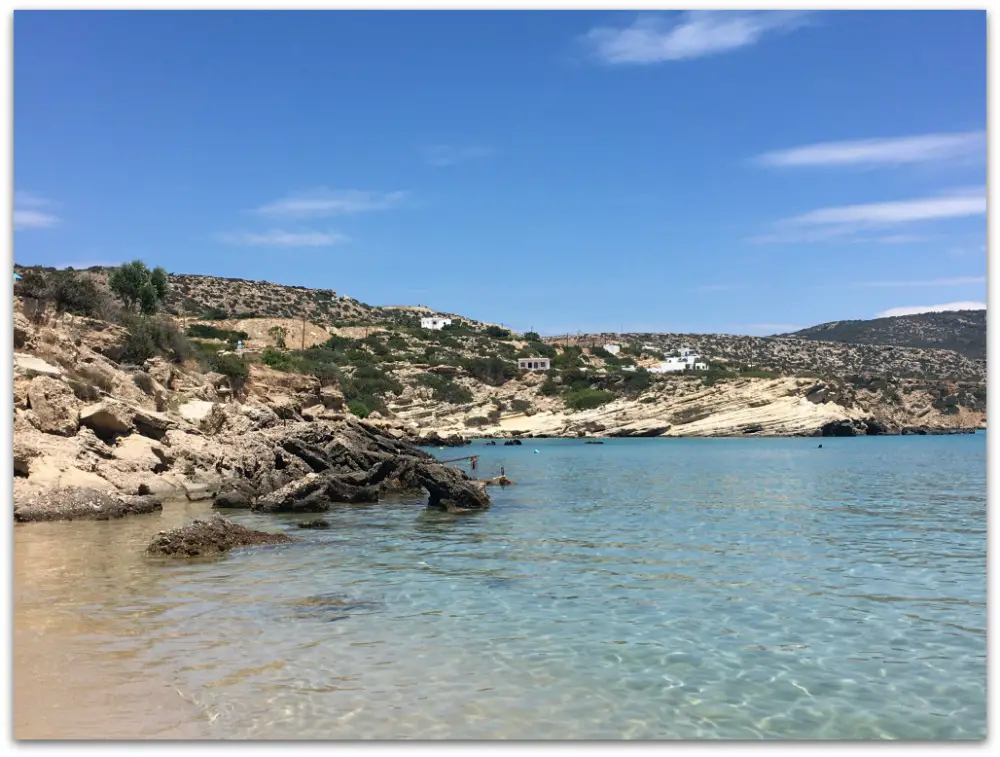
x,y
614,349
435,323
688,360
534,363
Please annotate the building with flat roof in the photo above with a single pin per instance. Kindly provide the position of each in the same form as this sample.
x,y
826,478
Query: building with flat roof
x,y
534,363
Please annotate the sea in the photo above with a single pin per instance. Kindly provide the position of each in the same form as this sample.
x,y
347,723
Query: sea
x,y
647,589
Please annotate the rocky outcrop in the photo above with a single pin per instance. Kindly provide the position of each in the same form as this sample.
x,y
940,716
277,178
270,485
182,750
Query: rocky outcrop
x,y
54,405
107,419
80,504
434,439
204,538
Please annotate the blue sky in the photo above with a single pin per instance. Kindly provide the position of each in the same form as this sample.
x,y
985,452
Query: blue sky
x,y
562,171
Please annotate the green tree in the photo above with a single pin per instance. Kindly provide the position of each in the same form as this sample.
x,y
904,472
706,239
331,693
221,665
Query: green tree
x,y
278,334
138,287
33,284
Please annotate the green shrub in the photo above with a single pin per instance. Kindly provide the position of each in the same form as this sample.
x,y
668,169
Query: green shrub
x,y
33,284
549,387
477,420
445,389
519,405
586,399
148,337
144,381
204,331
531,336
280,361
497,332
84,391
234,368
74,294
636,382
358,408
215,314
492,370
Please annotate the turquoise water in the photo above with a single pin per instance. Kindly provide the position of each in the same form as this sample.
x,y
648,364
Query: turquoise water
x,y
640,589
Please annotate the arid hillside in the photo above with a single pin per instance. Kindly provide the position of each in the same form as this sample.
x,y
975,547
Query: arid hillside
x,y
963,331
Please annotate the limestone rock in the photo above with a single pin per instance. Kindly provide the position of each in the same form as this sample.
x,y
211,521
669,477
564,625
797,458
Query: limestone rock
x,y
107,418
54,405
30,366
331,397
80,503
195,411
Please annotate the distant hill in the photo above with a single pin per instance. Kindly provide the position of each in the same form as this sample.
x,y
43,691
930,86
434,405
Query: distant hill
x,y
963,331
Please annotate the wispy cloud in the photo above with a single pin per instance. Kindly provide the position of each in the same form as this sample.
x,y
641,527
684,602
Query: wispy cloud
x,y
845,222
450,155
317,203
27,212
281,238
957,281
656,38
948,306
880,152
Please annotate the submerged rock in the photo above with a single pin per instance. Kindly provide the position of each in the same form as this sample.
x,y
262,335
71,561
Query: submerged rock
x,y
317,524
209,537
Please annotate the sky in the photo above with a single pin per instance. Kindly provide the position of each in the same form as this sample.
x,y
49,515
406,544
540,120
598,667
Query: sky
x,y
735,172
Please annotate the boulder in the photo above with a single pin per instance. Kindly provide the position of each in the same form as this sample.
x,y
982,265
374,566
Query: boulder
x,y
152,424
331,397
161,371
318,523
845,427
21,384
107,419
75,503
434,439
54,405
30,366
450,489
195,411
209,537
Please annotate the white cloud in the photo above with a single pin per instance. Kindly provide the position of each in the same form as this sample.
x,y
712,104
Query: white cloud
x,y
843,223
960,280
450,155
321,202
690,34
880,152
280,238
27,215
914,309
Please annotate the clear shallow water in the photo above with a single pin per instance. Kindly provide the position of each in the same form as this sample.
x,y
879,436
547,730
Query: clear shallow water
x,y
641,589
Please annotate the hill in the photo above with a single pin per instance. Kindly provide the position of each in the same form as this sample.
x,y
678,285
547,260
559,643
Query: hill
x,y
963,331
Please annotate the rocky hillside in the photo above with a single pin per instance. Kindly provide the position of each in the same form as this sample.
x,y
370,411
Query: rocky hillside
x,y
215,298
963,331
792,356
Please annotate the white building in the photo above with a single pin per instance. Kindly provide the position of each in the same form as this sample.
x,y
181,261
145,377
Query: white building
x,y
614,349
688,360
435,323
534,363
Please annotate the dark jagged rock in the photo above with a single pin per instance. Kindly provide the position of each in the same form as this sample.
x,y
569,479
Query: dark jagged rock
x,y
209,537
935,431
235,495
640,433
450,489
513,443
311,456
317,492
434,439
83,504
844,427
319,523
593,442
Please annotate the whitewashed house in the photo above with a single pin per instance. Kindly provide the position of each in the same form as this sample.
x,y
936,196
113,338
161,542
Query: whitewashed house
x,y
614,349
688,360
534,363
435,323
